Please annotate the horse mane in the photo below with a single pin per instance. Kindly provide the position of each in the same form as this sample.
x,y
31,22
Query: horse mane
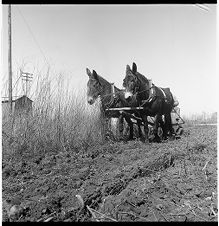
x,y
103,81
142,78
143,85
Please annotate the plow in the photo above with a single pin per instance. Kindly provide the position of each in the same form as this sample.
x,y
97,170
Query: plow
x,y
177,120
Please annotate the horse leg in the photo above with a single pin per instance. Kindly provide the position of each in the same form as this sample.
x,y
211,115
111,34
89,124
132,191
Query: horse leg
x,y
146,130
163,127
130,123
121,126
158,119
168,122
139,123
139,129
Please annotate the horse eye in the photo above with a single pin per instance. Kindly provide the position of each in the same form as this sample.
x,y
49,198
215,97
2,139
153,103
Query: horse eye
x,y
96,85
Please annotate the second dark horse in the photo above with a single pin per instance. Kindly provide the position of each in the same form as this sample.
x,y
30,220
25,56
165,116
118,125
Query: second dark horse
x,y
155,100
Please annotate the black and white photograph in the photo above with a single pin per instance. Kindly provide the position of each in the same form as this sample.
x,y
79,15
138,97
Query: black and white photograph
x,y
109,113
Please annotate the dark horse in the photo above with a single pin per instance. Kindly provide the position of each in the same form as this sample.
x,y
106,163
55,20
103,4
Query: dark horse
x,y
98,86
155,100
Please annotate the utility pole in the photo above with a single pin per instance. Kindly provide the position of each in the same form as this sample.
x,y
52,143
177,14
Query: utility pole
x,y
27,77
9,59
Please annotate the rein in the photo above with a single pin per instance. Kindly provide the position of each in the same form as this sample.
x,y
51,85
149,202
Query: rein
x,y
144,90
110,94
112,101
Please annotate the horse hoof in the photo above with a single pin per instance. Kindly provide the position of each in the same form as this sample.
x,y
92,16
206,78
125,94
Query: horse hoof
x,y
125,141
145,141
171,138
121,138
156,140
142,139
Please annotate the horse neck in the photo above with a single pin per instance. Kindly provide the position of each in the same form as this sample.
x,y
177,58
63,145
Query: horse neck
x,y
106,92
143,88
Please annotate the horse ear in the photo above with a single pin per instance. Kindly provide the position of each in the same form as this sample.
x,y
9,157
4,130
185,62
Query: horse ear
x,y
95,75
128,68
134,67
88,72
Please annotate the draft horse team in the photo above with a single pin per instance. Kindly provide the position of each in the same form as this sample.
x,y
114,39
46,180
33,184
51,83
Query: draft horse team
x,y
139,99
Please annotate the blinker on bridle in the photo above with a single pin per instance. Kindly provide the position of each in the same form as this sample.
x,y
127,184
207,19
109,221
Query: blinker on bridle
x,y
137,88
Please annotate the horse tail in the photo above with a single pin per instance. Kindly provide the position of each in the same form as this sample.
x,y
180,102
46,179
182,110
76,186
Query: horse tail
x,y
170,96
174,100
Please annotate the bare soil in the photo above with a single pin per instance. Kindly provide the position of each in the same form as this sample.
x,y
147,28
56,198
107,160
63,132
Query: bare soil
x,y
170,181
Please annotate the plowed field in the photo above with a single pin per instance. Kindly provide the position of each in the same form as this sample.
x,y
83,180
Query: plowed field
x,y
170,181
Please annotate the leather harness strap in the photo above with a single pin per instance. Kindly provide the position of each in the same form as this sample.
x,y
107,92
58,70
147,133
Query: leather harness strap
x,y
165,97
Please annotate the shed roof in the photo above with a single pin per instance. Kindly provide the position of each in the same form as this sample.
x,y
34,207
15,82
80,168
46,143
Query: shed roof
x,y
24,96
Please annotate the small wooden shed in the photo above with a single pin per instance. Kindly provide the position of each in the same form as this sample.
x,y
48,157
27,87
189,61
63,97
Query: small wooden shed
x,y
20,105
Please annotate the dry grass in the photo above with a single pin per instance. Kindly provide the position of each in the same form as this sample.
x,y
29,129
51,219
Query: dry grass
x,y
60,121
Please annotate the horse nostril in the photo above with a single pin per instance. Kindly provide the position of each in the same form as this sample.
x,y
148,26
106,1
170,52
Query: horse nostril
x,y
90,100
127,95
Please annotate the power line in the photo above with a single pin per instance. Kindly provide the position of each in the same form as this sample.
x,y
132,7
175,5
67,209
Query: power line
x,y
35,40
27,77
16,82
203,7
32,35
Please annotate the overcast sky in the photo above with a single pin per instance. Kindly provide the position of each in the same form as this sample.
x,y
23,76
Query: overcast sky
x,y
174,45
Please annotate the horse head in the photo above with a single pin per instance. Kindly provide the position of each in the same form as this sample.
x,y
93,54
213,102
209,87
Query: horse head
x,y
131,82
94,87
